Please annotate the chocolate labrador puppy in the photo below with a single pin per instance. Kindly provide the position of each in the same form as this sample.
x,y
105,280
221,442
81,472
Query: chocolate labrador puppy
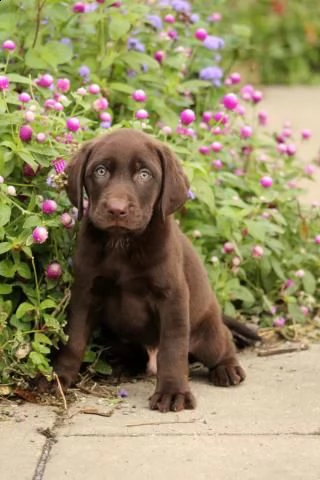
x,y
138,273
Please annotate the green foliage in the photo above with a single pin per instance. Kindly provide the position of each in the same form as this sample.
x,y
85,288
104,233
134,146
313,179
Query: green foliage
x,y
229,206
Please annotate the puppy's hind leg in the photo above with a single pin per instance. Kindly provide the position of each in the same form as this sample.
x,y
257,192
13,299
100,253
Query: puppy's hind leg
x,y
211,343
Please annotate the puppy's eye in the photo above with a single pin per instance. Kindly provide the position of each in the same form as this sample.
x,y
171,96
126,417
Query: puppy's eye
x,y
144,175
100,171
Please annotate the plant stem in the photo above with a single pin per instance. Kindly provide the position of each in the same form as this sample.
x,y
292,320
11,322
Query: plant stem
x,y
39,8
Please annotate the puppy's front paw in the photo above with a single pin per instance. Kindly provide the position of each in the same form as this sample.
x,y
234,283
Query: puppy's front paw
x,y
227,374
175,402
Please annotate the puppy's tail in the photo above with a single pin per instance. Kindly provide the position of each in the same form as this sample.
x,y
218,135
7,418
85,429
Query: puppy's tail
x,y
243,336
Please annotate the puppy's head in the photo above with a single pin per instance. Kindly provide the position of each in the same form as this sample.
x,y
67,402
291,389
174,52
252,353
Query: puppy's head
x,y
128,177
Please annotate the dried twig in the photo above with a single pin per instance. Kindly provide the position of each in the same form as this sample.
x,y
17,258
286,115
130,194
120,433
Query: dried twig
x,y
93,411
283,349
171,422
55,376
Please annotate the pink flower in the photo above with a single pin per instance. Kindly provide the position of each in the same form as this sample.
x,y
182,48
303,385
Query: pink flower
x,y
263,118
66,220
4,83
206,116
305,134
63,85
266,182
279,322
139,96
94,89
257,251
40,234
159,56
45,80
235,78
201,34
24,97
217,164
25,133
204,150
309,169
79,7
256,96
54,271
142,114
9,45
41,137
73,124
187,116
100,104
29,116
169,19
299,273
228,247
317,239
291,150
246,132
216,146
49,206
230,101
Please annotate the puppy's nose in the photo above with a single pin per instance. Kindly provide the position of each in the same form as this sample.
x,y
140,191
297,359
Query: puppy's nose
x,y
117,208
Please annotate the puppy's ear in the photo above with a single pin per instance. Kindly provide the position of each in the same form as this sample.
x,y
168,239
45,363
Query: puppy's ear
x,y
75,172
175,185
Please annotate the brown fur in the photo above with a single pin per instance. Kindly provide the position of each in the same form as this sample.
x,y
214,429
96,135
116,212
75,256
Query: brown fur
x,y
137,272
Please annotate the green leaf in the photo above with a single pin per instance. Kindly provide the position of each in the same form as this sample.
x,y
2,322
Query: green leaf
x,y
46,304
16,78
295,312
5,247
5,289
41,338
7,269
32,221
102,367
23,309
309,283
121,87
194,85
38,359
24,271
5,214
119,26
277,268
28,158
203,192
257,229
136,59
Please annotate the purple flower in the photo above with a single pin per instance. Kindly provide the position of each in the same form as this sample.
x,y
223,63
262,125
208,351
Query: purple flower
x,y
213,74
191,195
213,43
65,41
40,234
181,6
122,393
194,18
54,271
155,21
84,71
91,7
135,44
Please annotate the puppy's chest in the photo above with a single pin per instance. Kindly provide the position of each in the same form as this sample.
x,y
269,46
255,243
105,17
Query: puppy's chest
x,y
127,297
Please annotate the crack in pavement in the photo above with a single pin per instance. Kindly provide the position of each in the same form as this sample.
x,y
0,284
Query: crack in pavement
x,y
51,435
201,434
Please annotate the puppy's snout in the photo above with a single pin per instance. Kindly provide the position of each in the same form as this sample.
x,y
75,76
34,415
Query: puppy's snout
x,y
116,208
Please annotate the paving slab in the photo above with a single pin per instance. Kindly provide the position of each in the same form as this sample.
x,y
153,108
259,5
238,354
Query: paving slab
x,y
22,439
280,396
186,458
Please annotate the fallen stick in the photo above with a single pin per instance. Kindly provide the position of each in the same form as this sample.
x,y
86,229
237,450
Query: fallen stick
x,y
280,350
93,411
172,422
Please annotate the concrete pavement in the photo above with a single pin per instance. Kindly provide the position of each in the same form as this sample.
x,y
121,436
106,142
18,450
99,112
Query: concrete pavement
x,y
268,428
